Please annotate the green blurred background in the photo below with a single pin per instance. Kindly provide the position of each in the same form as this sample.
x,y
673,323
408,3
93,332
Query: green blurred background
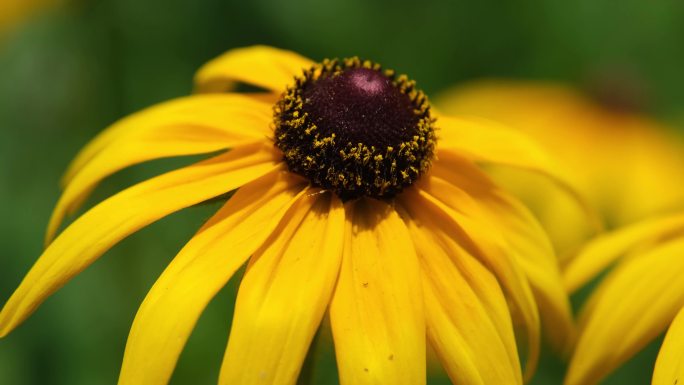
x,y
69,71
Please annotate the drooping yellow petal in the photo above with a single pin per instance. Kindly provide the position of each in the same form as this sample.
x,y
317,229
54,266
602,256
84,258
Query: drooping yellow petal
x,y
669,368
467,318
640,298
490,248
115,218
462,187
284,295
166,142
600,253
486,141
238,116
377,309
174,304
221,122
263,66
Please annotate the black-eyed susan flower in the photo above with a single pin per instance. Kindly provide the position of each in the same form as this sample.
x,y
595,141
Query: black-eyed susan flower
x,y
613,156
634,303
351,197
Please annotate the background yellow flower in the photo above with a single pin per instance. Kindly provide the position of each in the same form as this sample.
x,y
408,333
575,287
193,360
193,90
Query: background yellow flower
x,y
628,166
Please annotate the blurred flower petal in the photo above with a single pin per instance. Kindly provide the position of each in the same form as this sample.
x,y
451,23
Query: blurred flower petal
x,y
635,303
601,252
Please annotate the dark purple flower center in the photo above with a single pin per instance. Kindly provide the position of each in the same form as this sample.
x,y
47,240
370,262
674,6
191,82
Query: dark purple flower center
x,y
355,129
360,106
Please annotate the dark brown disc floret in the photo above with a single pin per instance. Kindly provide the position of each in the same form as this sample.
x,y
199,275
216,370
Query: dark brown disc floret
x,y
355,129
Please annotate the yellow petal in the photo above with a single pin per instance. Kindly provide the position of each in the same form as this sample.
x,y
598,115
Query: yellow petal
x,y
377,309
486,141
115,218
238,116
600,253
669,368
284,295
174,304
634,305
455,181
467,318
263,66
491,249
221,122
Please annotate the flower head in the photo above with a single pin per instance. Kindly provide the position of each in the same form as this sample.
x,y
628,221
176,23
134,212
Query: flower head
x,y
354,129
351,197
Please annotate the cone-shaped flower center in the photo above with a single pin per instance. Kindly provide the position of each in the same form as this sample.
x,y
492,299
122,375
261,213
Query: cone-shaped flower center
x,y
361,106
354,129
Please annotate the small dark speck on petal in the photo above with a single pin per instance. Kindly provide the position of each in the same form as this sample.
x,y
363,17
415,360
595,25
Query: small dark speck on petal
x,y
365,284
391,357
365,369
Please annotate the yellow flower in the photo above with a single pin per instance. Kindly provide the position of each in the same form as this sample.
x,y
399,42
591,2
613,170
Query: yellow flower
x,y
634,303
613,158
347,199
